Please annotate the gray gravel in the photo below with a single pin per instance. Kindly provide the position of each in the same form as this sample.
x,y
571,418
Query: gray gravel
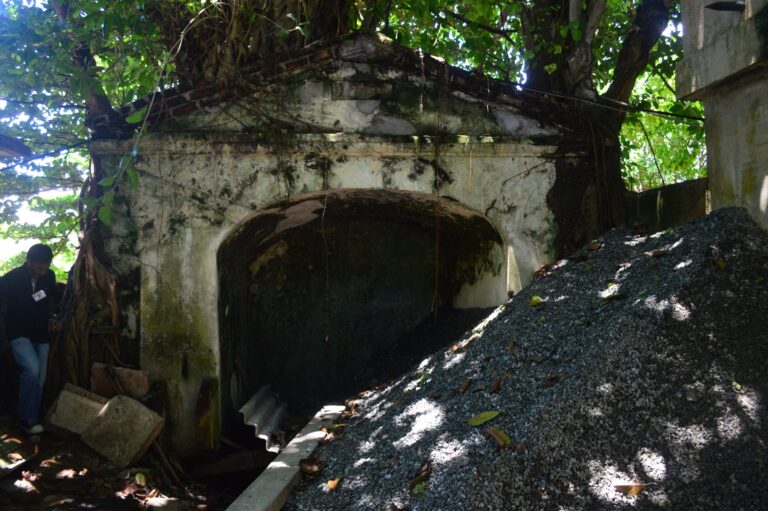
x,y
646,364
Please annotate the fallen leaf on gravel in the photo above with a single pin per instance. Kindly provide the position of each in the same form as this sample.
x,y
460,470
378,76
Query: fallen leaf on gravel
x,y
500,436
631,489
462,345
511,345
334,483
420,478
536,301
496,385
465,385
483,417
552,379
720,263
140,479
419,488
310,466
595,246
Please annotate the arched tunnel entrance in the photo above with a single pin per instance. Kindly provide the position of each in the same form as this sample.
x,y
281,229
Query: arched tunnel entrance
x,y
316,290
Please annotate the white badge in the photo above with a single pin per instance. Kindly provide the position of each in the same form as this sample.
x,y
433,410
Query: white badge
x,y
39,295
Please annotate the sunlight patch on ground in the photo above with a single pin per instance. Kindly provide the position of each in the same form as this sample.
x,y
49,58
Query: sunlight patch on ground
x,y
446,451
683,264
423,415
653,463
452,359
749,400
603,481
363,461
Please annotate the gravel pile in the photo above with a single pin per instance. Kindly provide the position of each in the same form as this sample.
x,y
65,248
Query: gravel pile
x,y
639,382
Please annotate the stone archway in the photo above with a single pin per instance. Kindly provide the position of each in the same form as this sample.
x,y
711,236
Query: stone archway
x,y
310,289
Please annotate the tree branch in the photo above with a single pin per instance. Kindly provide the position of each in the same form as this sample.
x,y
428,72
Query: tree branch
x,y
488,28
650,21
594,16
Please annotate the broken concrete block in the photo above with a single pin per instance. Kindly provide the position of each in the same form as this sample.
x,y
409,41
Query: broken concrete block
x,y
123,431
133,383
74,410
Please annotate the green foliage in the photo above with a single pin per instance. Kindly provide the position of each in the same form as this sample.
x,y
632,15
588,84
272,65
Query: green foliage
x,y
131,47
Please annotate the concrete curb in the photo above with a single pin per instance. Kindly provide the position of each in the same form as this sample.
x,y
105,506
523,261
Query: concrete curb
x,y
270,490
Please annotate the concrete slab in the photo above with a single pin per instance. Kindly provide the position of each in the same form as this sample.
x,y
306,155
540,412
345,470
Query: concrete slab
x,y
74,411
123,431
131,382
271,489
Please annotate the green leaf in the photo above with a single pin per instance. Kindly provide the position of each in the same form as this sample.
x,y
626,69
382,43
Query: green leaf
x,y
108,198
483,417
137,116
107,181
133,177
420,488
105,215
536,300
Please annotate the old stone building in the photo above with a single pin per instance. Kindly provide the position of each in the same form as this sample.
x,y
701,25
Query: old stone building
x,y
286,228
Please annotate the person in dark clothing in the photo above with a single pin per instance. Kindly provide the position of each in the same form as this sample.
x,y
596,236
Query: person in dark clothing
x,y
29,294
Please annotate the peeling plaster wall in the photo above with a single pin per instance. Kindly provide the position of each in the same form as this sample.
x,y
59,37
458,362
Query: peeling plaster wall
x,y
726,66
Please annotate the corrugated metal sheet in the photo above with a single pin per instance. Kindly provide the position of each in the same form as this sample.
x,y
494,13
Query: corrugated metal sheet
x,y
265,413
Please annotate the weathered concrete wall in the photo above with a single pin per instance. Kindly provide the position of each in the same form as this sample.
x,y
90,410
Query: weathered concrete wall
x,y
704,27
667,206
726,66
374,117
194,191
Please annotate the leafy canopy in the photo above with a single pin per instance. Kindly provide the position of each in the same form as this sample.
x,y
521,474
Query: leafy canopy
x,y
56,57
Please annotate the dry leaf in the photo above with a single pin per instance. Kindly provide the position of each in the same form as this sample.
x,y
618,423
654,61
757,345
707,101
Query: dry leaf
x,y
552,379
333,484
496,385
502,439
465,385
462,345
631,489
720,263
310,466
483,417
595,246
511,345
423,474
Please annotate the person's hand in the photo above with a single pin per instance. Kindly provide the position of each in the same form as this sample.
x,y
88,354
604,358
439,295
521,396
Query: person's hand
x,y
54,325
